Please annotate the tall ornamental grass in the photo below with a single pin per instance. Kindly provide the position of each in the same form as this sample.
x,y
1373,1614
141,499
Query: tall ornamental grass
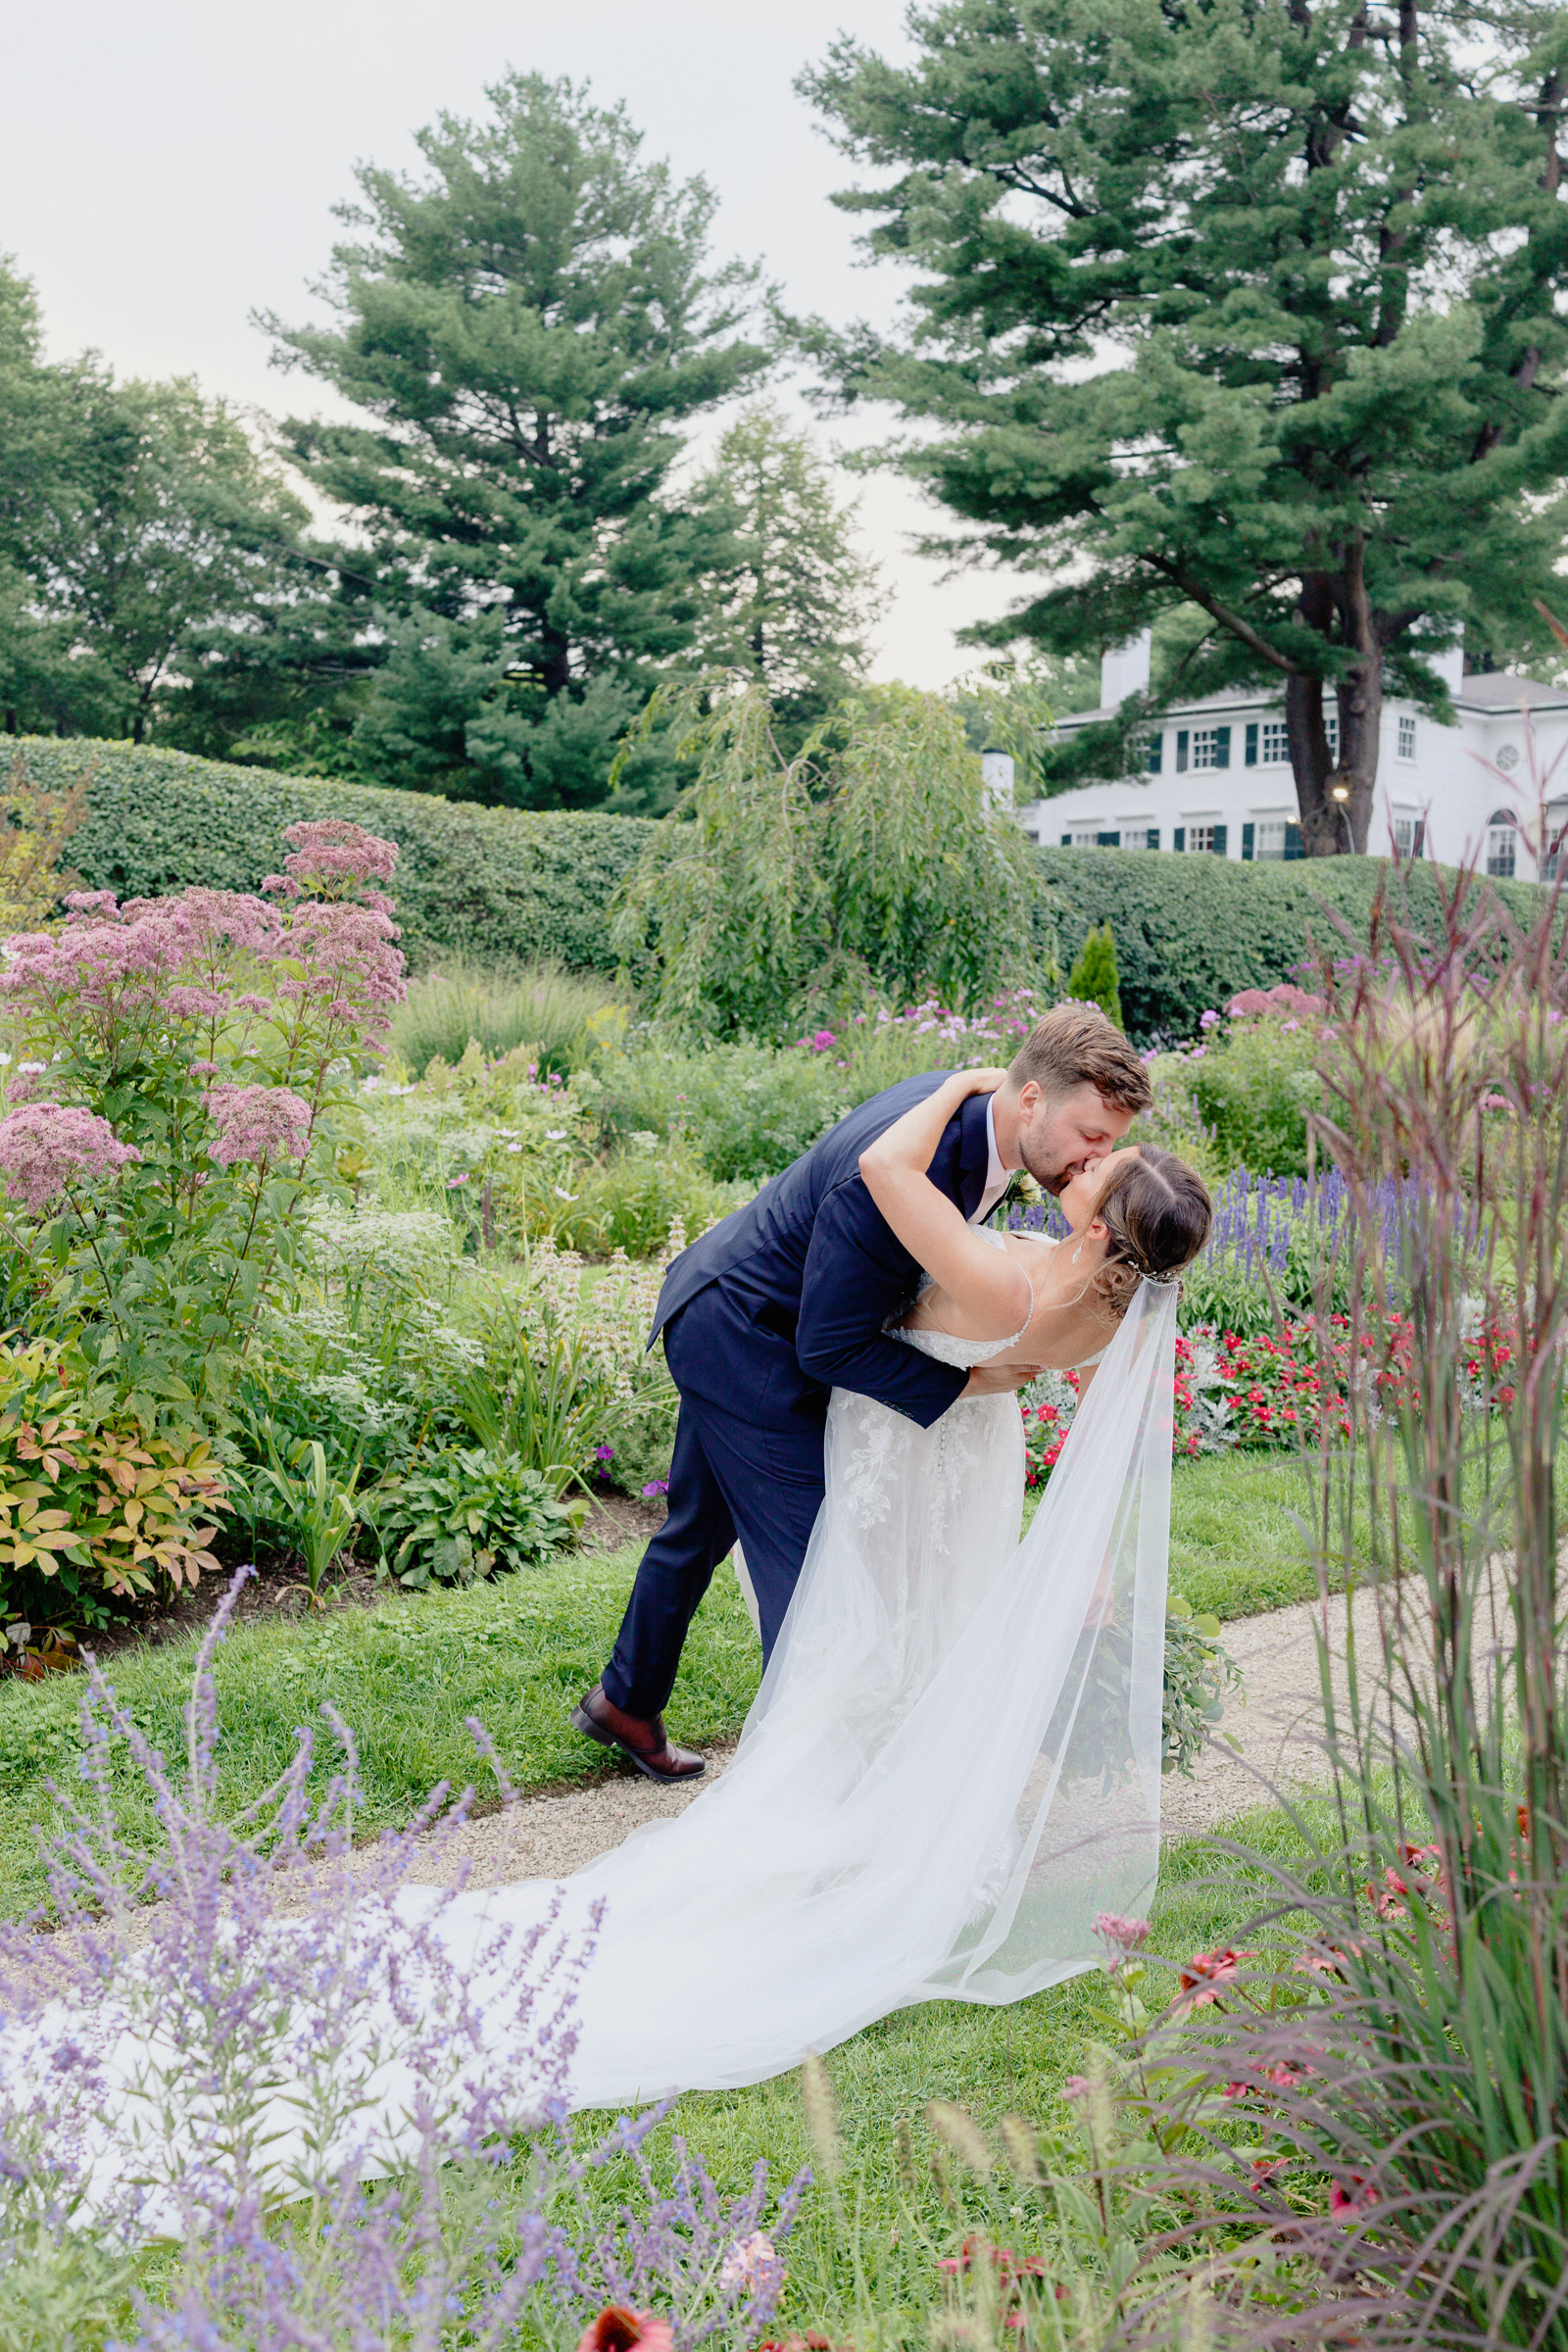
x,y
562,1018
1398,2065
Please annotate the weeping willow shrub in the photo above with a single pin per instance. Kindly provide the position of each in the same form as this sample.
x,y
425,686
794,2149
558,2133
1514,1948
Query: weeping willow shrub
x,y
871,865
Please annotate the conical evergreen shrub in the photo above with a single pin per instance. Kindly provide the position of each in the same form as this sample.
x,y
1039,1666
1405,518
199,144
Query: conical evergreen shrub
x,y
1093,979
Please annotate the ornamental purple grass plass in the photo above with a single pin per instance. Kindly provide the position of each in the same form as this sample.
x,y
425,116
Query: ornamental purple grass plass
x,y
44,1146
236,2015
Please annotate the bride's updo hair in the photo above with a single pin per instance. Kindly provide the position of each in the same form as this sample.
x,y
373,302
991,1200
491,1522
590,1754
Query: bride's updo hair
x,y
1156,1213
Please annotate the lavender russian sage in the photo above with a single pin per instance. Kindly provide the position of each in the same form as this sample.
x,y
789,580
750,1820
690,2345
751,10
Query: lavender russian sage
x,y
247,2035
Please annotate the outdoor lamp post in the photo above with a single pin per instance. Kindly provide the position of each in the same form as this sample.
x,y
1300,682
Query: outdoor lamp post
x,y
1339,793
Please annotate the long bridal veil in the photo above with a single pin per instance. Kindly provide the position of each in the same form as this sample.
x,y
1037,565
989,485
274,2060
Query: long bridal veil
x,y
952,1767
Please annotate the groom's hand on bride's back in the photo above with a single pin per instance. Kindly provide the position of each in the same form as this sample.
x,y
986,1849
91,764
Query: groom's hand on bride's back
x,y
996,1380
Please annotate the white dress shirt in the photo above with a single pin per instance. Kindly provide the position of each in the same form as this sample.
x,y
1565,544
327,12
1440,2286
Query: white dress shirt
x,y
995,1174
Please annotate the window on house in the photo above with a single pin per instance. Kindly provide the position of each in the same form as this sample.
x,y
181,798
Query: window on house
x,y
1407,739
1139,837
1409,835
1275,838
1211,747
1276,746
1155,749
1209,837
1556,844
1331,728
1502,843
1092,837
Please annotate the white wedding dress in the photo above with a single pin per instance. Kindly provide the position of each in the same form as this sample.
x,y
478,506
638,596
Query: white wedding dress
x,y
952,1767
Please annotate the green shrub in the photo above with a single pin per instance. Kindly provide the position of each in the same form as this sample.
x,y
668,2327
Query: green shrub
x,y
745,1111
466,1512
632,1201
1252,1092
1193,932
563,1018
1093,978
489,882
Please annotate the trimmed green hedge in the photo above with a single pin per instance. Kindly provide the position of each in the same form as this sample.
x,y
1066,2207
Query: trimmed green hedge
x,y
494,883
505,885
1193,932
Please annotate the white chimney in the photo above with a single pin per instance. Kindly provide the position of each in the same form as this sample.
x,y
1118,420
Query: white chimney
x,y
1447,661
1124,670
995,773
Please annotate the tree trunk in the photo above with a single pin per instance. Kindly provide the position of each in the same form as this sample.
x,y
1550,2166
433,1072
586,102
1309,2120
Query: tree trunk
x,y
1332,826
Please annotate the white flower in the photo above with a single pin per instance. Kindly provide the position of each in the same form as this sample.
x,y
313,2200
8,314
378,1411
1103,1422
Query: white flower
x,y
514,1147
561,1193
4,1061
368,1086
32,1069
555,1135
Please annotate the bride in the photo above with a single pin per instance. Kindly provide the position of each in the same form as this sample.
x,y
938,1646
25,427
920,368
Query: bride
x,y
953,1764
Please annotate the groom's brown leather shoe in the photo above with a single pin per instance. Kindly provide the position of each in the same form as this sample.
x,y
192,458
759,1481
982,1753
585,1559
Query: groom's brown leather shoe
x,y
641,1737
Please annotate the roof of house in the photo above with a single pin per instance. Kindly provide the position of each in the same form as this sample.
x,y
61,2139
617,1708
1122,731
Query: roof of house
x,y
1497,690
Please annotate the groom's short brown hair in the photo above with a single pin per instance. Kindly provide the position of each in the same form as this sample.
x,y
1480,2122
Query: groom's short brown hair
x,y
1074,1046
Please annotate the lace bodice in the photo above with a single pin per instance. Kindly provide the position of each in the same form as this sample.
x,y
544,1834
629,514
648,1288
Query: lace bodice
x,y
948,1348
945,1346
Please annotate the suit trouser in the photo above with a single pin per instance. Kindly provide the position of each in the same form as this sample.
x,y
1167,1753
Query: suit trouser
x,y
727,1479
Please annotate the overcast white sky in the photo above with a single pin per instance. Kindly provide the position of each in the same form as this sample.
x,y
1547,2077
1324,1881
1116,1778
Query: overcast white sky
x,y
169,168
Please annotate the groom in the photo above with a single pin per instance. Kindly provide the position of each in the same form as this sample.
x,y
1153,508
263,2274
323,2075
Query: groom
x,y
786,1300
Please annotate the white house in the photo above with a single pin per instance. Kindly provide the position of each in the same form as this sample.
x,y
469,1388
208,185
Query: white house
x,y
1219,776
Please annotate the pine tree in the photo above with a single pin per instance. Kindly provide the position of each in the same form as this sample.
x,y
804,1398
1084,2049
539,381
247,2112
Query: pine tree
x,y
796,611
1093,979
1257,308
529,324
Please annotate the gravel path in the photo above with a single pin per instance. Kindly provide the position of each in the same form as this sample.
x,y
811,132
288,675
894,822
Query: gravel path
x,y
1278,1726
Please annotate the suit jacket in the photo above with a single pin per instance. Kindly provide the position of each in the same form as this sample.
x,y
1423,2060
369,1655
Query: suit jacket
x,y
795,1288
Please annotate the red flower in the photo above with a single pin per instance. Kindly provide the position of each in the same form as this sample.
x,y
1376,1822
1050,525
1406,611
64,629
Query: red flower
x,y
619,2329
1205,1972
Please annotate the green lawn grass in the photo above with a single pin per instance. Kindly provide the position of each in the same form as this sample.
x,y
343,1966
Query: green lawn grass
x,y
517,1653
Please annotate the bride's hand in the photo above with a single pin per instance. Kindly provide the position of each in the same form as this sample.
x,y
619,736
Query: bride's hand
x,y
976,1082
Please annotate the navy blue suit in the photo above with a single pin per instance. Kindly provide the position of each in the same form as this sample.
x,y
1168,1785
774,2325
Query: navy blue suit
x,y
763,1318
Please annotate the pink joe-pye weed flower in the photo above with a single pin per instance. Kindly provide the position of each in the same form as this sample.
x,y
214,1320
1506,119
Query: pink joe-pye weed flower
x,y
44,1146
334,860
258,1123
1123,1935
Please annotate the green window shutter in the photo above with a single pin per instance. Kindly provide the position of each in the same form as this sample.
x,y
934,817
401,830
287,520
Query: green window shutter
x,y
1294,845
1066,841
1178,840
1247,835
1108,841
1222,747
1220,838
1156,753
1181,750
1252,742
1153,837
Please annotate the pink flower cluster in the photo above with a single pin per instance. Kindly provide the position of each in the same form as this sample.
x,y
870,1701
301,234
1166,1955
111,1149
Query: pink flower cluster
x,y
45,1146
1281,1000
334,859
257,1123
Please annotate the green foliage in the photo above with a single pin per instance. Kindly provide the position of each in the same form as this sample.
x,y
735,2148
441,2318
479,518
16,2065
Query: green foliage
x,y
529,324
1193,932
1093,978
634,1201
152,572
774,879
563,1019
1253,1091
744,1111
464,1513
1200,1673
1302,262
483,882
797,611
317,1511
